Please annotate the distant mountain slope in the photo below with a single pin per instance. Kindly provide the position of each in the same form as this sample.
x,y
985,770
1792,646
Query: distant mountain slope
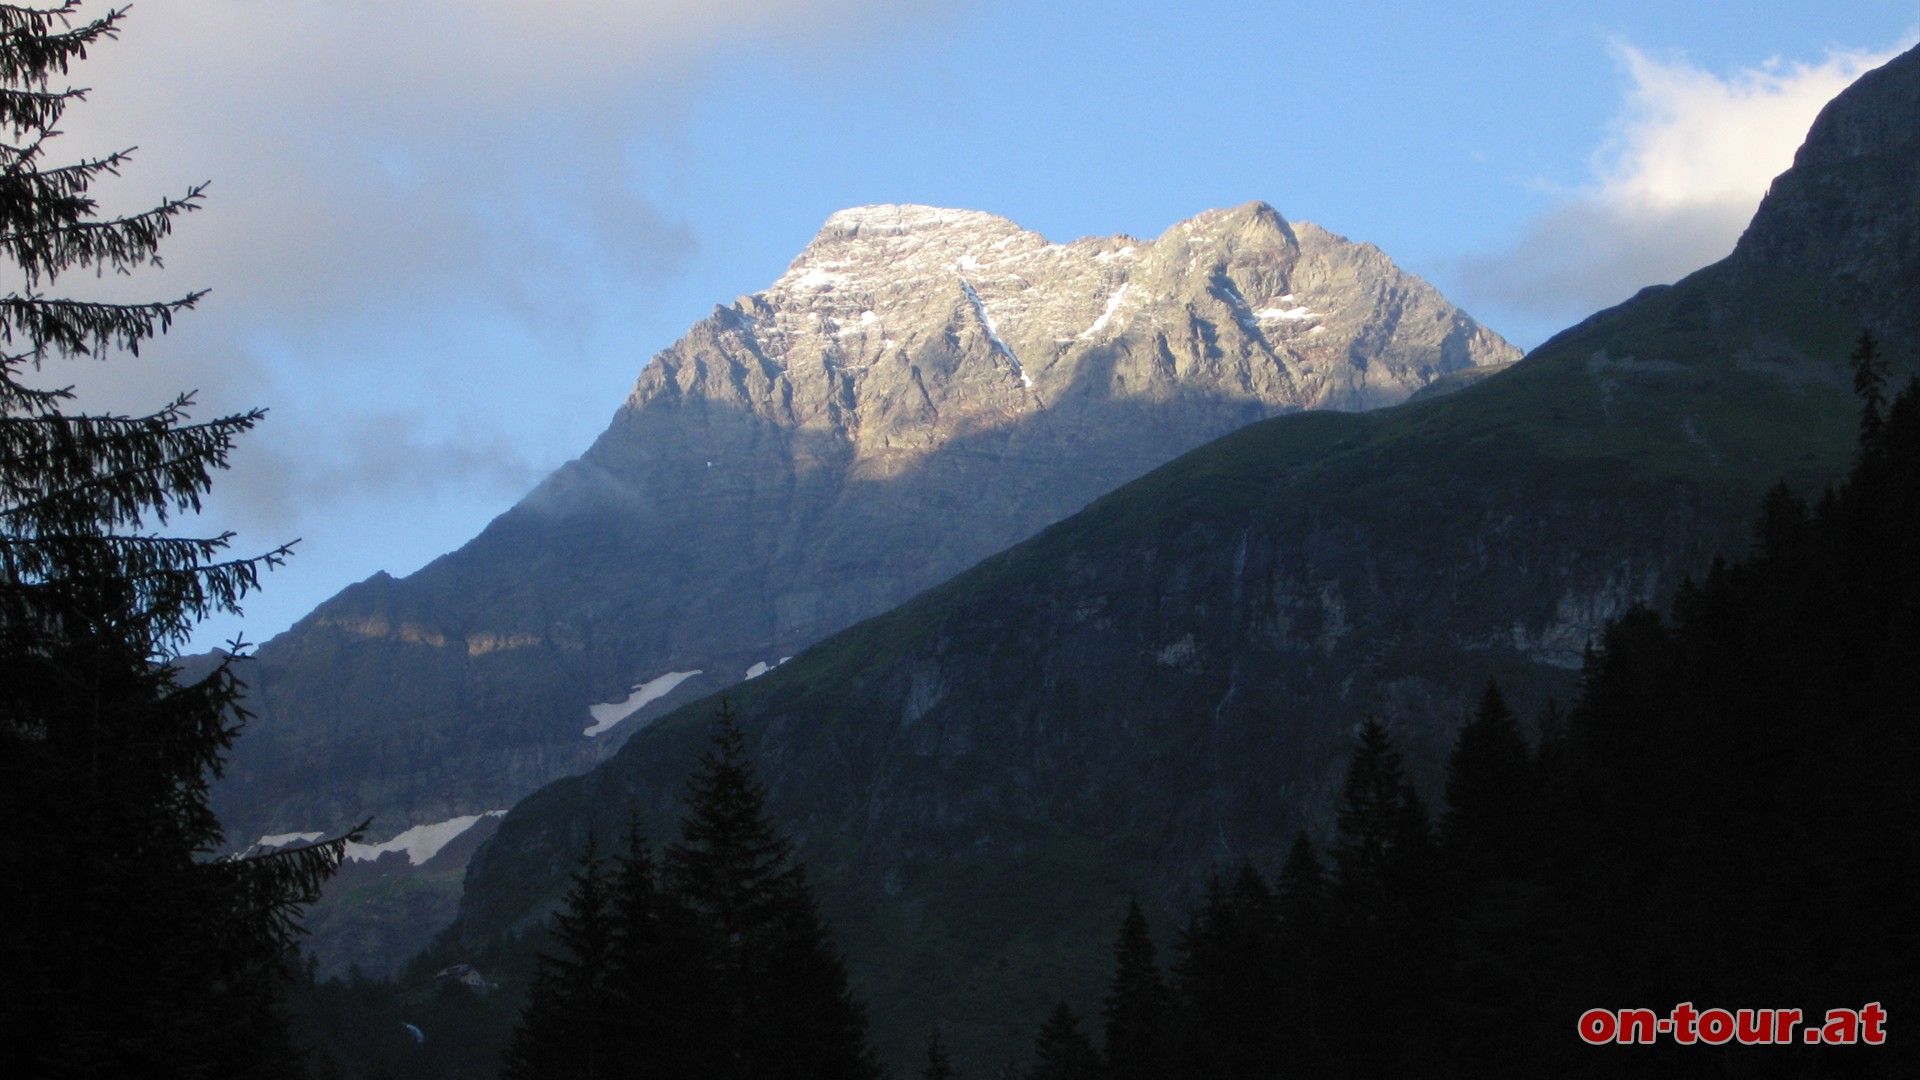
x,y
922,388
1172,677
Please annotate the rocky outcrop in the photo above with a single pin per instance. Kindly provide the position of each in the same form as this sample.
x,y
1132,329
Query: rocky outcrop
x,y
922,388
1843,217
1169,681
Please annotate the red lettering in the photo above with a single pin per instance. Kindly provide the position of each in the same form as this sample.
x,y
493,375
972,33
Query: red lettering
x,y
1716,1026
1873,1020
1752,1027
1637,1026
1683,1021
1842,1027
1597,1026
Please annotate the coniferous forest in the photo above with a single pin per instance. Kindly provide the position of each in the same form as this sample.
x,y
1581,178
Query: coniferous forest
x,y
715,965
1725,814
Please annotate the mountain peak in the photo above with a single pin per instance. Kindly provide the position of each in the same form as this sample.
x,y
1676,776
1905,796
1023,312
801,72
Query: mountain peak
x,y
1845,213
1256,217
894,219
922,388
1269,313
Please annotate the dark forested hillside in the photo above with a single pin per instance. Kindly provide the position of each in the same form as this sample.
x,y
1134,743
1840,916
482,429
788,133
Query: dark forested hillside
x,y
1725,819
1171,680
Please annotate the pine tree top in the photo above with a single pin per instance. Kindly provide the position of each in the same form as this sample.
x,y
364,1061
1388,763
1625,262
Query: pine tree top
x,y
79,492
730,860
1381,829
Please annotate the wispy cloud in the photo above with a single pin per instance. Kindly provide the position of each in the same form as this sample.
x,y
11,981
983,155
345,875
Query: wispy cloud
x,y
407,455
372,157
1687,163
399,187
427,220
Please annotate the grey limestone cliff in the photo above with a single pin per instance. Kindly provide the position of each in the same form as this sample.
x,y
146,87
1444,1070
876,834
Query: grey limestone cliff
x,y
1169,681
922,388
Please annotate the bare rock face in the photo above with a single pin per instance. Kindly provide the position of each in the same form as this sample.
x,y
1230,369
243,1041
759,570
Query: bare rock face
x,y
1169,682
902,330
926,386
922,388
1843,217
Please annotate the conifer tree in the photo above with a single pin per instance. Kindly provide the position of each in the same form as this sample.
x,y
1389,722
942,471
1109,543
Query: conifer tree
x,y
938,1066
1870,370
660,991
1300,903
1382,844
1137,1007
730,865
1489,793
1500,942
807,1024
1301,893
1385,931
1062,1051
567,1028
126,950
784,1009
1228,981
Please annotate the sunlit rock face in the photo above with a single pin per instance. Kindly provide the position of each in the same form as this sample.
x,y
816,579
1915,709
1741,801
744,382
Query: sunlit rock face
x,y
922,388
1170,681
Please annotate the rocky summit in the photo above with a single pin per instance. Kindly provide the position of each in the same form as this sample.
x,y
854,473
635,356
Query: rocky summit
x,y
922,388
1171,680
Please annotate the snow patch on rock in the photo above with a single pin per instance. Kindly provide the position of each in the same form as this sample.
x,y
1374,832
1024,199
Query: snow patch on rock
x,y
762,667
609,713
1113,305
993,332
422,842
279,840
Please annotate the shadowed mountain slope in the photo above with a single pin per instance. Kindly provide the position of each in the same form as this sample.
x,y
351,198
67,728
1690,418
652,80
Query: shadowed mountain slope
x,y
1170,679
922,388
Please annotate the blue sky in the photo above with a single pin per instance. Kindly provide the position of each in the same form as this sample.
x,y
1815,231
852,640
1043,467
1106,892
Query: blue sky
x,y
444,236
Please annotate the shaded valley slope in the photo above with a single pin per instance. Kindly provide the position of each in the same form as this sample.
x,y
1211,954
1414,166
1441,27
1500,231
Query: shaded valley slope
x,y
1170,680
921,389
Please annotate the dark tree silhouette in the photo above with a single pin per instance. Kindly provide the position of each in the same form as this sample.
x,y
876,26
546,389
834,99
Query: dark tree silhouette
x,y
126,950
784,1008
1062,1050
661,994
1384,924
1489,793
937,1067
1301,905
722,970
1138,1006
569,1025
1870,371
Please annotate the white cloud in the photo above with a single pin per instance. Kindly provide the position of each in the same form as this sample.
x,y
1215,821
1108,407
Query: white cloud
x,y
427,220
369,156
1683,170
